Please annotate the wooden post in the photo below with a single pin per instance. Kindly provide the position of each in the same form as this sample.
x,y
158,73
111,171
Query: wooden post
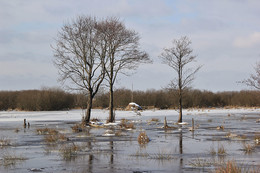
x,y
165,123
24,123
192,124
192,128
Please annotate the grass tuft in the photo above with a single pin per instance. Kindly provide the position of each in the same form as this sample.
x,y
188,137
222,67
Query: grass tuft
x,y
233,167
47,131
11,159
4,142
69,151
126,125
201,163
162,156
221,150
143,138
212,151
77,128
248,148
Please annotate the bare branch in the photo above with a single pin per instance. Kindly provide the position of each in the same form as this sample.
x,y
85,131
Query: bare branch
x,y
254,79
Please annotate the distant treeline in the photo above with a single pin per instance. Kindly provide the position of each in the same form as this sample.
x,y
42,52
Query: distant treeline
x,y
57,99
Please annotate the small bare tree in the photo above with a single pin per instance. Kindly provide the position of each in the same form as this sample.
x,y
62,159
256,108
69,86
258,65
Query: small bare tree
x,y
123,53
178,57
79,56
254,79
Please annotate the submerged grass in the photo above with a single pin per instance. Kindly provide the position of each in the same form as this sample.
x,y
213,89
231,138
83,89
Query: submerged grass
x,y
69,151
248,148
221,151
47,131
11,159
162,155
201,163
139,153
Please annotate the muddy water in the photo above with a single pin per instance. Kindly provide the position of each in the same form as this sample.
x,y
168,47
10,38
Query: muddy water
x,y
171,150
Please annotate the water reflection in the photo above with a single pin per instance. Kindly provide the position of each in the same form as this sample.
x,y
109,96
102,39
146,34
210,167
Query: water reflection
x,y
90,157
181,148
111,164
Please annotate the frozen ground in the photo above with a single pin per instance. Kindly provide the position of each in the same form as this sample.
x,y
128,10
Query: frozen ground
x,y
172,150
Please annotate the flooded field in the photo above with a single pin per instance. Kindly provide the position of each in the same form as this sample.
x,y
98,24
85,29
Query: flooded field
x,y
53,143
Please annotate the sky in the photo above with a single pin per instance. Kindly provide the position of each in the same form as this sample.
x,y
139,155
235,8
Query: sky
x,y
225,37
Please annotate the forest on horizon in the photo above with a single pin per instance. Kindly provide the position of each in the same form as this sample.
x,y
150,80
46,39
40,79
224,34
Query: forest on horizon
x,y
52,99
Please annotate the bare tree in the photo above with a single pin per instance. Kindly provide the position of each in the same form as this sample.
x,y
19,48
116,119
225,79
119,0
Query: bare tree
x,y
254,79
123,53
79,56
178,57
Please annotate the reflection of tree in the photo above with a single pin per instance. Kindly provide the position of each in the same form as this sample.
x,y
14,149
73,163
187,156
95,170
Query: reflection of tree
x,y
111,164
90,158
180,148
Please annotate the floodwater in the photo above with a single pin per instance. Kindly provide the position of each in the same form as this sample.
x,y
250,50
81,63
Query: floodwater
x,y
218,137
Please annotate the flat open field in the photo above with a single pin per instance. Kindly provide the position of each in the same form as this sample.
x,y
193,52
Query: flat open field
x,y
51,145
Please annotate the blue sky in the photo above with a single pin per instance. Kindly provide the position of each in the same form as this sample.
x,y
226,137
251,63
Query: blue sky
x,y
225,37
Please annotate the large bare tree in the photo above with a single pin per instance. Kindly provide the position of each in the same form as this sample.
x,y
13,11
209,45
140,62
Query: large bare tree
x,y
123,53
254,79
178,57
79,55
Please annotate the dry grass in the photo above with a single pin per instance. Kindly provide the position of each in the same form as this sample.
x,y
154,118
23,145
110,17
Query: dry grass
x,y
143,138
9,159
95,120
55,138
47,131
51,135
69,151
221,150
153,120
78,128
4,142
139,153
233,167
201,163
248,148
162,155
125,124
257,138
212,151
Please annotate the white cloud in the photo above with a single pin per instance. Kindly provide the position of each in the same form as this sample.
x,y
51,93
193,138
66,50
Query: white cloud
x,y
248,41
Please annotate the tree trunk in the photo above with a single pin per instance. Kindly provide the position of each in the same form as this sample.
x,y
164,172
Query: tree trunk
x,y
111,105
180,106
88,111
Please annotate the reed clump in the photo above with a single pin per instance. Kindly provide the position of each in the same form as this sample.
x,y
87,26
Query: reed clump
x,y
143,138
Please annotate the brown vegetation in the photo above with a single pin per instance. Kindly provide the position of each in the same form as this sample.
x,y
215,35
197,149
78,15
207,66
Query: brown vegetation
x,y
233,167
125,124
51,135
54,99
143,138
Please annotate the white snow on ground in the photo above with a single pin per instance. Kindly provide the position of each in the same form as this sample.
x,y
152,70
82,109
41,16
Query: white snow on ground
x,y
76,115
